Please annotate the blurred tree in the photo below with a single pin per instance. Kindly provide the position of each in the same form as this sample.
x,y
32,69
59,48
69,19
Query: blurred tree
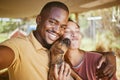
x,y
8,26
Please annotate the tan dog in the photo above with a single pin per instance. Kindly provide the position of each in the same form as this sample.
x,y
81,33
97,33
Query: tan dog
x,y
58,58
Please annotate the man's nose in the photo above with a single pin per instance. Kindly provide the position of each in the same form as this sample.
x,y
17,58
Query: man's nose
x,y
57,29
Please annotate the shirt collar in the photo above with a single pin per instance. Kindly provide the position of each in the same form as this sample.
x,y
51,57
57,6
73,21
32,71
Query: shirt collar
x,y
35,42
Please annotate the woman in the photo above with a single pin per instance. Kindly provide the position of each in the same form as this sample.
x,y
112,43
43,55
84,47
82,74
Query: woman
x,y
84,63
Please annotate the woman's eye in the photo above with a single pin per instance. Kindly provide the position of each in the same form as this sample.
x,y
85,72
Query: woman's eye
x,y
77,31
63,27
67,31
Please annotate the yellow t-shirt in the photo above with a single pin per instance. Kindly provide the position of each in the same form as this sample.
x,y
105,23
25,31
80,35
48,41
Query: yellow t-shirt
x,y
31,59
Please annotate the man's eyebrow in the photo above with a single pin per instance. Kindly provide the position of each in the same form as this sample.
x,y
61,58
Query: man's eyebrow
x,y
58,21
54,19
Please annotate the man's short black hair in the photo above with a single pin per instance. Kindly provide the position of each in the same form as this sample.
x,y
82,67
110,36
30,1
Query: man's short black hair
x,y
52,4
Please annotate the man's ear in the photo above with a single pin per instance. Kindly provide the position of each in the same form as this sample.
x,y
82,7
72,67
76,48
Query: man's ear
x,y
38,19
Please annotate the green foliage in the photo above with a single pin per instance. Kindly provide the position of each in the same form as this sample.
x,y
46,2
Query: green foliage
x,y
83,21
8,26
3,37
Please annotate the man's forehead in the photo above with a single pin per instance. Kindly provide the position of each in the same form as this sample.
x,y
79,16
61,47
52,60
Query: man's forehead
x,y
58,12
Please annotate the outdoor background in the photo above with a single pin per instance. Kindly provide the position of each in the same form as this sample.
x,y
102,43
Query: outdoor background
x,y
100,30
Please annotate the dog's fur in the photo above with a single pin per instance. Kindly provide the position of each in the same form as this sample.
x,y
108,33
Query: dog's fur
x,y
58,57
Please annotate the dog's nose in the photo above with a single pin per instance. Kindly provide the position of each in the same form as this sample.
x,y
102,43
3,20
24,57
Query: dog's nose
x,y
66,41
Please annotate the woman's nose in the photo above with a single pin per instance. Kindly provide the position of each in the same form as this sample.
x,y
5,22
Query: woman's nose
x,y
72,34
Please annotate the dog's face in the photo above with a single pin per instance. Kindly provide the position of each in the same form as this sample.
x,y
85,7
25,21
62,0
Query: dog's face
x,y
58,50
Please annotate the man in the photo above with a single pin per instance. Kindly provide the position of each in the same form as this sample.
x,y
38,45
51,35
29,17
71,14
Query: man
x,y
27,58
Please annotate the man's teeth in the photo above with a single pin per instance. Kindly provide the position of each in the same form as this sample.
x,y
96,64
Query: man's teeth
x,y
54,36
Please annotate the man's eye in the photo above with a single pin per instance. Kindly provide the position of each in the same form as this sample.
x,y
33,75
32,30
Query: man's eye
x,y
52,22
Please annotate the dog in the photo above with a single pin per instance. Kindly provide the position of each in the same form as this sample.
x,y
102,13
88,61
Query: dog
x,y
58,58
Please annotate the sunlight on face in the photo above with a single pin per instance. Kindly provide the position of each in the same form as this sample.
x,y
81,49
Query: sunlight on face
x,y
73,33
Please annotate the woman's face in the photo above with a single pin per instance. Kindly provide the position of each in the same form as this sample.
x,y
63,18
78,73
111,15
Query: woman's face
x,y
73,33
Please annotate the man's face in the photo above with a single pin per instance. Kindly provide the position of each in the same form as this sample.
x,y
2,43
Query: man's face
x,y
52,26
72,32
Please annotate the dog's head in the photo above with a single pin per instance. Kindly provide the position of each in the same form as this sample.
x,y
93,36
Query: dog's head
x,y
58,50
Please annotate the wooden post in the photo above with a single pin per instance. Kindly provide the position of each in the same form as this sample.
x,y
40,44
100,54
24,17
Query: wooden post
x,y
76,17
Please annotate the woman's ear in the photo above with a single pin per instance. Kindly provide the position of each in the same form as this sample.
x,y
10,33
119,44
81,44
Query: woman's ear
x,y
38,19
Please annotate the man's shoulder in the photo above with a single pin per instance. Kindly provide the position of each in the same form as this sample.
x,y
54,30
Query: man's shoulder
x,y
15,41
